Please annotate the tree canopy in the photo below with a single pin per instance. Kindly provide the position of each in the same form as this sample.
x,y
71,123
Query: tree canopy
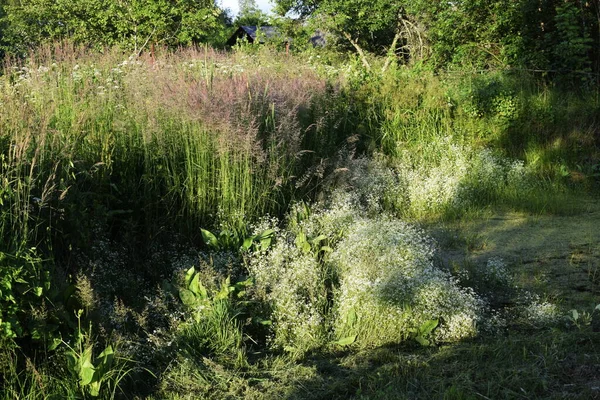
x,y
534,34
250,14
132,23
540,35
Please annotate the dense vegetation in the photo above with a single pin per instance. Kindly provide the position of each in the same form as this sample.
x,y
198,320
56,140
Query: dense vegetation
x,y
199,223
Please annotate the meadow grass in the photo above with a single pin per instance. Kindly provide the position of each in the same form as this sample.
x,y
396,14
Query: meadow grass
x,y
189,139
111,165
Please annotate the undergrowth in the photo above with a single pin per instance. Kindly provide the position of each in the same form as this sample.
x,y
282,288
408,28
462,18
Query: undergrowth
x,y
199,224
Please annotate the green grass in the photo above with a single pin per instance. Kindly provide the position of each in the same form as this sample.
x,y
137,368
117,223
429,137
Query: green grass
x,y
111,166
526,364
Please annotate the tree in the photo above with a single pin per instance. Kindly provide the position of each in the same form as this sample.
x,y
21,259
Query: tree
x,y
376,26
480,34
530,34
131,23
250,14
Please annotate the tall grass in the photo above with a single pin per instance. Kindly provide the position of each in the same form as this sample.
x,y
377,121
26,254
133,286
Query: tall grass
x,y
183,140
501,140
103,155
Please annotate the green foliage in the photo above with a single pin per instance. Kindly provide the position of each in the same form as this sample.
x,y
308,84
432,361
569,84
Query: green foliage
x,y
316,245
135,24
94,375
195,296
481,34
160,167
573,42
99,153
583,319
346,341
250,14
237,240
422,334
213,326
24,285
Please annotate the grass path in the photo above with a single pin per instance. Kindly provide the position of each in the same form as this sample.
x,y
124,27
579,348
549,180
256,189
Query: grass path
x,y
554,256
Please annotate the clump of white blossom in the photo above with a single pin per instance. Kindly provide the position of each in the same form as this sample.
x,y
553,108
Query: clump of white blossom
x,y
537,312
496,272
378,280
388,285
293,283
444,175
375,186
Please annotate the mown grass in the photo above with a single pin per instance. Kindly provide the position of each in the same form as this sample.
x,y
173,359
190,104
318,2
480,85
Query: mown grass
x,y
111,165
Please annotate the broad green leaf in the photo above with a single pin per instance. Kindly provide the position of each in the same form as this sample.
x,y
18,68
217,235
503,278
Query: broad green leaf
x,y
247,243
94,388
197,287
351,318
300,240
428,326
348,340
575,315
267,234
318,239
209,239
265,243
306,247
187,297
106,358
189,275
422,341
86,373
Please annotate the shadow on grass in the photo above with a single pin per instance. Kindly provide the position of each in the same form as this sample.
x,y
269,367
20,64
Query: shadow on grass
x,y
535,364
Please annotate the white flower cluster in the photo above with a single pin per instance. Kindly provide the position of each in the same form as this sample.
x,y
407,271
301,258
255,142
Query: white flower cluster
x,y
538,313
293,283
496,272
332,219
389,283
374,185
445,175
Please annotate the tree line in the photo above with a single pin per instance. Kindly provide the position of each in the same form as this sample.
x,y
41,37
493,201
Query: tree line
x,y
558,36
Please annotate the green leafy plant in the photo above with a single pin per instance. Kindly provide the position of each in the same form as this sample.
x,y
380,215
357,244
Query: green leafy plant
x,y
582,319
94,373
195,295
312,244
259,242
423,333
23,284
231,239
213,326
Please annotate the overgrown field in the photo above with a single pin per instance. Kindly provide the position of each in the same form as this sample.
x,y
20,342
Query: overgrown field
x,y
199,224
